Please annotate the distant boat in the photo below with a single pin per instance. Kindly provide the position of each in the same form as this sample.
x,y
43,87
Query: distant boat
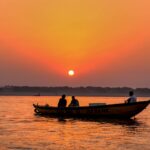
x,y
38,94
104,111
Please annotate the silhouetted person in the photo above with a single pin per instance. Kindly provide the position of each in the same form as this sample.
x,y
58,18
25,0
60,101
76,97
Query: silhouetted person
x,y
132,98
62,102
74,102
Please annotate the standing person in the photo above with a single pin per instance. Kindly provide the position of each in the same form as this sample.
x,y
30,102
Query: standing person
x,y
74,102
132,98
62,102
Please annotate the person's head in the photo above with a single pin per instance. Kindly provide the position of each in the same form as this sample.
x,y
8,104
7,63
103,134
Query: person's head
x,y
63,96
131,93
73,97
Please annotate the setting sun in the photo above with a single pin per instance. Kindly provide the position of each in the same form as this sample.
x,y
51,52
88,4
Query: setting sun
x,y
71,72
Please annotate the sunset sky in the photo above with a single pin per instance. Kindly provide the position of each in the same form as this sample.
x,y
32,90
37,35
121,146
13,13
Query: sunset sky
x,y
106,42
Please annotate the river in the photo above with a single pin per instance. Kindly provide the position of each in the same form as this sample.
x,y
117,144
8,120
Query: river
x,y
20,129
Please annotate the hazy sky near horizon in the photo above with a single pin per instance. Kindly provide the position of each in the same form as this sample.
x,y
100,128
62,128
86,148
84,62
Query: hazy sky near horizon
x,y
106,43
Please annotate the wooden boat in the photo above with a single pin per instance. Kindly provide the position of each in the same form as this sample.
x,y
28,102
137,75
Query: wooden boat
x,y
105,111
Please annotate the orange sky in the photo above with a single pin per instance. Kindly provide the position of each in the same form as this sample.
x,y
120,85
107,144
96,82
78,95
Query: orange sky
x,y
106,42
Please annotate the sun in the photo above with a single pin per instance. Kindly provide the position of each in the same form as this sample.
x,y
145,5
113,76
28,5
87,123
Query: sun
x,y
71,72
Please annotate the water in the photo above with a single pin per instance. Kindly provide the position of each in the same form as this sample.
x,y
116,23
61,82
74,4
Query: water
x,y
20,129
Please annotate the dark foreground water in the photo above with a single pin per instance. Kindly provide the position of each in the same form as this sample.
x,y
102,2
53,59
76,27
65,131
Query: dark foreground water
x,y
20,129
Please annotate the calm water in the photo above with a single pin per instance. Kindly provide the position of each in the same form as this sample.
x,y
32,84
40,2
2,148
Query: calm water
x,y
20,129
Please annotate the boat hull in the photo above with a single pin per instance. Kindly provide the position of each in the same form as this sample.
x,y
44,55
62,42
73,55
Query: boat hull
x,y
106,111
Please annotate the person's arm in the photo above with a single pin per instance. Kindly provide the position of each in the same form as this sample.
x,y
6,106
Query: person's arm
x,y
59,103
65,102
129,100
77,103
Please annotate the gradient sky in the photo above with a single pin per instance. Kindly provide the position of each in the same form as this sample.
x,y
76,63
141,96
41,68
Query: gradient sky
x,y
106,42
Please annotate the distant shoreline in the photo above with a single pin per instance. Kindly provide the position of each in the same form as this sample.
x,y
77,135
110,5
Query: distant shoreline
x,y
69,91
71,95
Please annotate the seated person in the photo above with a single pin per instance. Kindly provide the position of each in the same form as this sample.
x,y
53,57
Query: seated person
x,y
74,102
132,98
62,102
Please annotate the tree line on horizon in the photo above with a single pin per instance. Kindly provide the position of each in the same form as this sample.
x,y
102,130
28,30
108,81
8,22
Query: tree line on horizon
x,y
88,90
